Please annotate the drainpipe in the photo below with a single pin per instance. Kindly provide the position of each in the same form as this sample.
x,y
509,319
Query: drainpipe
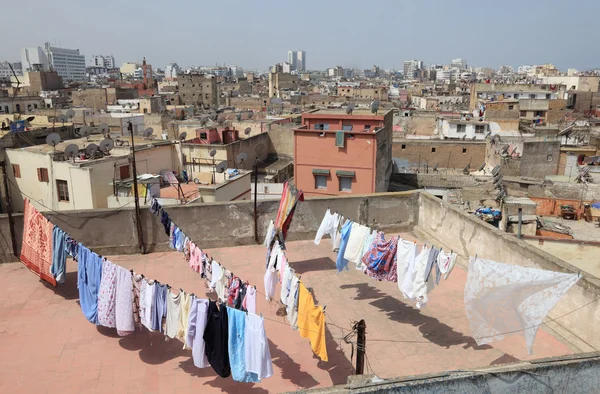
x,y
520,222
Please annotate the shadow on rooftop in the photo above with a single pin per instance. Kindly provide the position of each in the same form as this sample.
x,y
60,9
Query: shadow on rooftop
x,y
320,264
68,290
432,329
505,359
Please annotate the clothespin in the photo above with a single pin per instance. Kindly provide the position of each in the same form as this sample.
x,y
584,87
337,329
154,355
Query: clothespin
x,y
451,251
324,306
181,290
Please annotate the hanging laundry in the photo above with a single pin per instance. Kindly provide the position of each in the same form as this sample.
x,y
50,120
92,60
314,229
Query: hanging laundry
x,y
380,261
89,276
154,206
147,303
446,262
186,301
186,250
311,322
137,287
72,247
405,257
195,258
107,295
173,313
159,307
59,254
326,227
216,338
270,283
165,221
338,222
282,264
358,234
418,286
194,339
292,303
503,298
124,312
286,284
433,256
257,353
275,250
289,198
236,346
173,236
367,246
36,249
249,303
179,240
270,234
234,289
241,295
341,262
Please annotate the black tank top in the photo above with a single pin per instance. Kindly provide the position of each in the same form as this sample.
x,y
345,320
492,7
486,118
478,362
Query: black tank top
x,y
216,337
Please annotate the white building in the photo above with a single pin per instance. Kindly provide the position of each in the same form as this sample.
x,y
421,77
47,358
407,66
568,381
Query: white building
x,y
102,61
463,129
171,71
68,63
292,59
524,69
411,67
7,73
459,63
236,71
446,75
301,61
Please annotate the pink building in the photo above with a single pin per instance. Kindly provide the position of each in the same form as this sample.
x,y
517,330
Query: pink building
x,y
336,153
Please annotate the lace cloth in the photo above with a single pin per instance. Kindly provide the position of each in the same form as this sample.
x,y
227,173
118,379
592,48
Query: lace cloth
x,y
503,299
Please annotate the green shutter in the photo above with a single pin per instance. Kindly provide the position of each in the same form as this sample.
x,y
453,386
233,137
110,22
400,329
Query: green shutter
x,y
318,171
345,174
339,139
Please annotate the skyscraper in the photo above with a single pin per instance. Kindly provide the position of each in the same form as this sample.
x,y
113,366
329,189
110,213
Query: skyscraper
x,y
292,59
68,63
411,67
301,65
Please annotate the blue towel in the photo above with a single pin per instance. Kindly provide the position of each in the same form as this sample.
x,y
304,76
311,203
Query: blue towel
x,y
59,254
89,274
341,262
237,351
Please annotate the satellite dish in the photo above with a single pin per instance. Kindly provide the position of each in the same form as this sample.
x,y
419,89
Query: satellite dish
x,y
203,121
474,138
221,167
106,146
148,132
196,181
220,121
62,118
85,131
481,167
238,117
250,115
248,130
30,119
463,137
71,151
435,167
374,106
213,153
241,158
91,150
70,114
350,109
103,127
52,139
182,136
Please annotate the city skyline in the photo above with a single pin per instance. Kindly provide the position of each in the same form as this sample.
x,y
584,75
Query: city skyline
x,y
259,45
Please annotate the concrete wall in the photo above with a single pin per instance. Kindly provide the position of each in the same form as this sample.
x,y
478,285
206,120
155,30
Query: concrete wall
x,y
540,158
281,138
468,236
448,154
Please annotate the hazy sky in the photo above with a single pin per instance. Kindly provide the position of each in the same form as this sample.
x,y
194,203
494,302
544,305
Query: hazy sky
x,y
350,33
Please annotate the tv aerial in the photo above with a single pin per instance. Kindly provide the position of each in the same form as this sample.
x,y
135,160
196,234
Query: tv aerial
x,y
71,151
148,133
247,131
374,106
350,109
53,139
91,150
182,136
106,146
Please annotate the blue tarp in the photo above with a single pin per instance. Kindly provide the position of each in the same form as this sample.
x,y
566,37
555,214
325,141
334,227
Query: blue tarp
x,y
596,205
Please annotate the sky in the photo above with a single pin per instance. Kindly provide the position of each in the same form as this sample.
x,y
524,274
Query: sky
x,y
350,33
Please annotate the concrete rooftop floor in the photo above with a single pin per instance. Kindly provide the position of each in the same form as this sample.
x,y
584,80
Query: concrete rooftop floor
x,y
46,344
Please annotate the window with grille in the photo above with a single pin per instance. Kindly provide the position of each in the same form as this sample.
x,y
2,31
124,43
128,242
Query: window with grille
x,y
62,190
320,182
345,184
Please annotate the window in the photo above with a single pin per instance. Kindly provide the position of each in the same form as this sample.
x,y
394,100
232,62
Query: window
x,y
320,182
42,174
345,184
532,96
347,127
461,128
464,150
511,107
16,170
63,190
124,172
479,129
432,150
539,114
516,95
367,127
548,96
403,146
203,136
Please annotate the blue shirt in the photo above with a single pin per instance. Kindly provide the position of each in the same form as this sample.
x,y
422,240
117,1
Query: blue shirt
x,y
59,254
89,274
236,346
341,262
159,306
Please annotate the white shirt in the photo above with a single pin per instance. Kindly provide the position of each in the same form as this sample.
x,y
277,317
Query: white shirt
x,y
146,297
326,227
353,251
258,355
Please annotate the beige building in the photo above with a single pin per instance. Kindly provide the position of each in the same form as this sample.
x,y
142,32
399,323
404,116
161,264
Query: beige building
x,y
282,81
54,182
197,89
128,68
372,93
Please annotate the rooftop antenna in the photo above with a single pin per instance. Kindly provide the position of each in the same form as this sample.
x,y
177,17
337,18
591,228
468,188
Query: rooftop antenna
x,y
148,133
71,152
374,106
106,146
53,139
350,109
91,150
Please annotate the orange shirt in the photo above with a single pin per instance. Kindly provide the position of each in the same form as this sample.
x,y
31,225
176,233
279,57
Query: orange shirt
x,y
311,322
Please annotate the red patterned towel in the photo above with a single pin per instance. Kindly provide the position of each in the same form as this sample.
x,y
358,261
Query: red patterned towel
x,y
36,251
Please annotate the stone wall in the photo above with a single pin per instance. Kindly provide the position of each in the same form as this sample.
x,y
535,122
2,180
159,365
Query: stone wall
x,y
446,154
282,139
